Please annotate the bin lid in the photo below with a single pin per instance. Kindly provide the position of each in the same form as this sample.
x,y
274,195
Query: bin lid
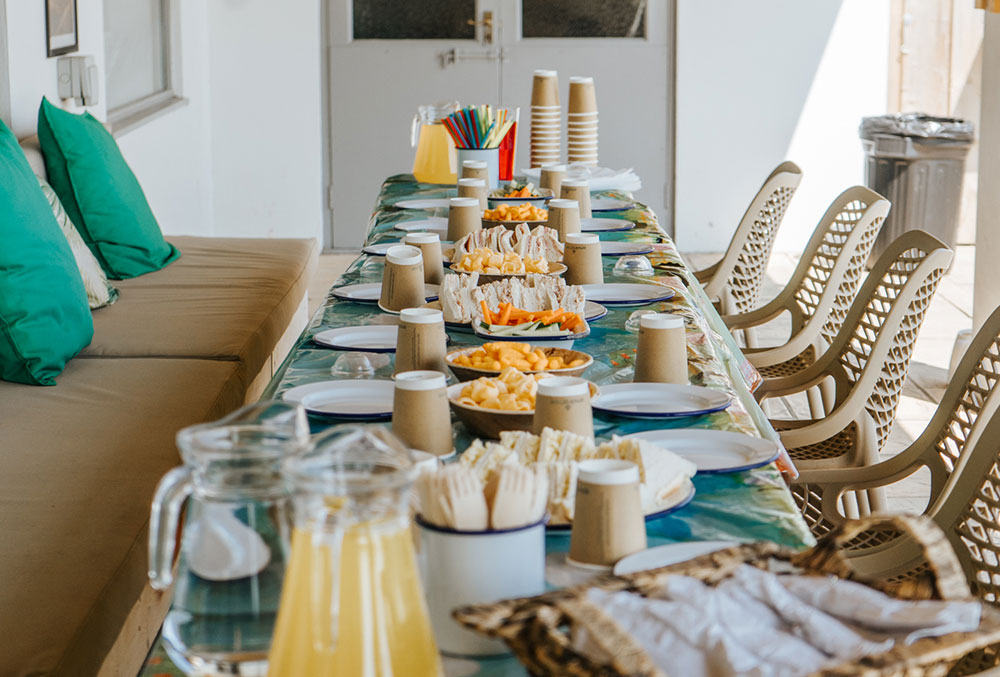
x,y
919,125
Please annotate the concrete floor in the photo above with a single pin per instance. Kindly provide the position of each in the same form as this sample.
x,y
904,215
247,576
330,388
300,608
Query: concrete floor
x,y
950,312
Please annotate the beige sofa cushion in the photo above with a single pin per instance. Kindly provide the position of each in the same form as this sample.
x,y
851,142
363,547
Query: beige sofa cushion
x,y
78,472
224,298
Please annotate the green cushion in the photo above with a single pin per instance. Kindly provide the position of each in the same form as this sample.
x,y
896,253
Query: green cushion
x,y
44,316
101,194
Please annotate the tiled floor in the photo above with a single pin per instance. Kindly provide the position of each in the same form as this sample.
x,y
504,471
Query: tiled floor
x,y
950,311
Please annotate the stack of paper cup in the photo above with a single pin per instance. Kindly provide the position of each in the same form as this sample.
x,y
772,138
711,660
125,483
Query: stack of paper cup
x,y
581,123
546,119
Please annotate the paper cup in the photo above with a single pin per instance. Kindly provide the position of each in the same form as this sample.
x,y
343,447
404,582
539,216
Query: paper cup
x,y
473,188
429,245
421,341
576,115
579,190
608,522
563,403
475,169
421,417
564,217
491,156
662,353
582,256
460,568
464,217
552,177
582,98
545,89
402,279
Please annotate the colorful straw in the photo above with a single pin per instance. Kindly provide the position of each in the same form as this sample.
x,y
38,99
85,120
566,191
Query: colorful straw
x,y
479,127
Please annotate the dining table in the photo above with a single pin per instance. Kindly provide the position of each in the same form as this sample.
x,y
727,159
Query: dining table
x,y
743,506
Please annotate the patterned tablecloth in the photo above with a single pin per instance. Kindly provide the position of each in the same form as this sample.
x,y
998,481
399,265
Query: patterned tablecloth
x,y
745,506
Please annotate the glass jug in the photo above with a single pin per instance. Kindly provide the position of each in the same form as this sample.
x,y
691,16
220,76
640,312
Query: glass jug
x,y
352,603
235,538
436,159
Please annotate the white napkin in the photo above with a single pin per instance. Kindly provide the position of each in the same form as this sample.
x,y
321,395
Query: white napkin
x,y
601,178
757,623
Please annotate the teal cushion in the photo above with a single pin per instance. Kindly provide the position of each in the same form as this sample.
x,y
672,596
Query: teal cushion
x,y
44,316
101,194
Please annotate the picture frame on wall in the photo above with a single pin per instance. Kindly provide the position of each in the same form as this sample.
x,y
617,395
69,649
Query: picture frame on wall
x,y
61,36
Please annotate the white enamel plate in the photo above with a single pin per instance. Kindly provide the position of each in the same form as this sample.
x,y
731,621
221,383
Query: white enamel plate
x,y
600,225
423,203
607,204
434,223
379,249
356,400
379,338
659,400
714,451
371,291
624,248
626,293
665,555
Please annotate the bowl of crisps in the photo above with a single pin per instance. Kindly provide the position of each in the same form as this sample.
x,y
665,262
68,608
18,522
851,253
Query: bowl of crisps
x,y
489,405
509,215
491,358
493,266
512,194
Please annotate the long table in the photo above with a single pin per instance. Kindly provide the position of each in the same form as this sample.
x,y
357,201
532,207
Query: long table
x,y
744,506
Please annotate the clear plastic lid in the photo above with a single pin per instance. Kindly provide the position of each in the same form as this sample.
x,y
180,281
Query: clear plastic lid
x,y
429,114
352,459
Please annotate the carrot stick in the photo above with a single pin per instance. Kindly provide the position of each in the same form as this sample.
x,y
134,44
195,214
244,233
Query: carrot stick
x,y
487,316
505,318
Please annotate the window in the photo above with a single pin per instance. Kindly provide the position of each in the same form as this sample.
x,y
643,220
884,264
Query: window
x,y
409,20
583,18
139,57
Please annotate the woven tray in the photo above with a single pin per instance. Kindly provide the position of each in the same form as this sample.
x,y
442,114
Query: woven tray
x,y
537,629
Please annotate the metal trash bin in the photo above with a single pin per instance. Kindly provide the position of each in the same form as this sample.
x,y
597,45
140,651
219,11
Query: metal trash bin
x,y
917,162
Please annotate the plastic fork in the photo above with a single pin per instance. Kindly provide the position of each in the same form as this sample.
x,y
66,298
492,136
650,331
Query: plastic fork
x,y
465,495
513,497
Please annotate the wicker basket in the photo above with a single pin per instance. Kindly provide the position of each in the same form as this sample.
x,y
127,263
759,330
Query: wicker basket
x,y
537,629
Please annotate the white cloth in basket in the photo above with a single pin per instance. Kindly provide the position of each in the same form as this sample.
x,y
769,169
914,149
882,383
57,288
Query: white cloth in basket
x,y
756,623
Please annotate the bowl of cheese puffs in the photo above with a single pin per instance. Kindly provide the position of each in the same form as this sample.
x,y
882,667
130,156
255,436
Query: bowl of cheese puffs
x,y
492,358
491,404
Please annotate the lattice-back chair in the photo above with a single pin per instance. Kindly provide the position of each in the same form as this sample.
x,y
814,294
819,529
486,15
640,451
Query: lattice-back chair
x,y
868,360
952,434
821,290
734,282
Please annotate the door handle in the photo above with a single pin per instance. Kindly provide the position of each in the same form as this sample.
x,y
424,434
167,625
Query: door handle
x,y
487,24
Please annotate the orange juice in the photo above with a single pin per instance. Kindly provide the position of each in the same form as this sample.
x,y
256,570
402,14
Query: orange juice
x,y
436,157
376,625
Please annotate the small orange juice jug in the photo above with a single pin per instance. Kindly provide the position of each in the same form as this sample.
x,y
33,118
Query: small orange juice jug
x,y
436,160
352,602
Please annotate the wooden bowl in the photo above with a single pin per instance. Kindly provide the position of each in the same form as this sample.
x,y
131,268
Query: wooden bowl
x,y
472,373
511,225
491,422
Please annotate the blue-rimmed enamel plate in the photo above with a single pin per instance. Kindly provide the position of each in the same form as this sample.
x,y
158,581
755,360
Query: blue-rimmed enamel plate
x,y
371,291
433,224
659,400
380,249
714,451
626,293
624,248
683,496
599,225
665,555
377,338
607,204
423,203
348,399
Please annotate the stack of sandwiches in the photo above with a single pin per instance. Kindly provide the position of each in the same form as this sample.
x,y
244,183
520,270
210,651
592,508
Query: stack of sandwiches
x,y
540,243
460,295
663,474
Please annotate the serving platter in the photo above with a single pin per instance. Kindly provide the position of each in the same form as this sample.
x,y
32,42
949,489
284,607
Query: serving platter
x,y
624,248
604,225
365,400
369,292
626,293
607,204
377,338
714,451
659,400
423,203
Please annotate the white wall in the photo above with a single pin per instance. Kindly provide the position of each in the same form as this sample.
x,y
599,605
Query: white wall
x,y
244,156
266,117
765,81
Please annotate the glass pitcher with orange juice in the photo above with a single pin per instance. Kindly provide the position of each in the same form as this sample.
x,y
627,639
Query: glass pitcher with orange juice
x,y
436,160
352,602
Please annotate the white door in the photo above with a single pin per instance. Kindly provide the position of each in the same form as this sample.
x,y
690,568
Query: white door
x,y
389,56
